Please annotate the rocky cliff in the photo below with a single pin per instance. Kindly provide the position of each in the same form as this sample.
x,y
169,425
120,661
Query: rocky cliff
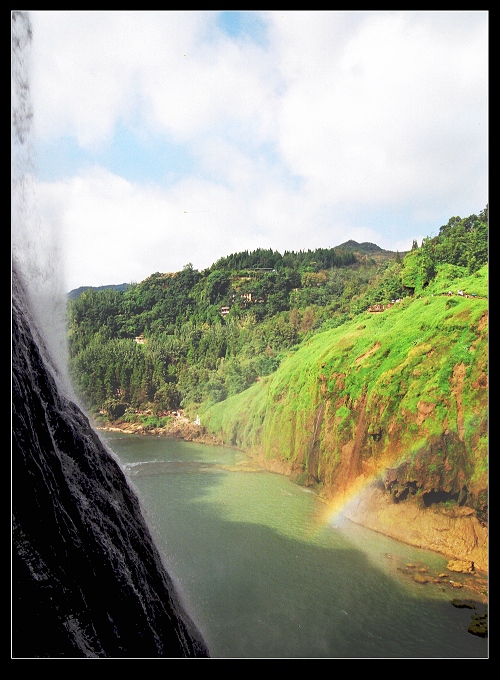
x,y
386,418
87,579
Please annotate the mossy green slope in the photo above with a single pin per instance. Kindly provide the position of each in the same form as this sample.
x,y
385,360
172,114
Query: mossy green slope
x,y
400,395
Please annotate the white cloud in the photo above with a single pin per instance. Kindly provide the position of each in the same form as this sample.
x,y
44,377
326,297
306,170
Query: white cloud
x,y
383,117
343,125
164,67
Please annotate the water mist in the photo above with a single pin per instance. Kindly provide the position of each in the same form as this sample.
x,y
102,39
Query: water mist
x,y
87,578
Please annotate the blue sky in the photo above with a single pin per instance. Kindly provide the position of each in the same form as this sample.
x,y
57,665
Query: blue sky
x,y
168,137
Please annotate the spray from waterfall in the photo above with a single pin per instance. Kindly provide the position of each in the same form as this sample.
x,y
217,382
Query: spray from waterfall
x,y
35,243
87,578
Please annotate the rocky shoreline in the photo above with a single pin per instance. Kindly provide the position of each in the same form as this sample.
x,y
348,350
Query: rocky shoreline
x,y
180,428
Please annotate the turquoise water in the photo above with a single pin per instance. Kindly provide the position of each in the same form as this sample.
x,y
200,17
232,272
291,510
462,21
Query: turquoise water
x,y
266,573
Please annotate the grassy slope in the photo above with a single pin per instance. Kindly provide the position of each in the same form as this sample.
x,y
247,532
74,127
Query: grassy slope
x,y
405,389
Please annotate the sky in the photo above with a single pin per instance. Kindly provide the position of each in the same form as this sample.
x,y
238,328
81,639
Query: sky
x,y
167,138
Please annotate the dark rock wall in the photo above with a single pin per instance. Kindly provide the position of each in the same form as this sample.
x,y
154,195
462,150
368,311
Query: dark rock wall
x,y
87,579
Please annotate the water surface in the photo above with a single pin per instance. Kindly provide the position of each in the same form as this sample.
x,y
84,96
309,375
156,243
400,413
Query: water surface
x,y
266,574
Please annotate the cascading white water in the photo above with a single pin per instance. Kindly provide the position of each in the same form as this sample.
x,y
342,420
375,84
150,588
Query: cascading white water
x,y
27,264
35,243
87,578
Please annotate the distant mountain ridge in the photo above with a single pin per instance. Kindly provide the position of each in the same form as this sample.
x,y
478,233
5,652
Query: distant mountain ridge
x,y
76,292
365,248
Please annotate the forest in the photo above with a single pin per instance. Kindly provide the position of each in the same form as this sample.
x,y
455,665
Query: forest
x,y
190,339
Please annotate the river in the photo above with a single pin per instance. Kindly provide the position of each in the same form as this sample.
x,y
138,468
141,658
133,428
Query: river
x,y
266,572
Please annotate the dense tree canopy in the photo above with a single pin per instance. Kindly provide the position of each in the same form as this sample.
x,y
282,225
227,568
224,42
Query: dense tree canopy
x,y
460,242
189,337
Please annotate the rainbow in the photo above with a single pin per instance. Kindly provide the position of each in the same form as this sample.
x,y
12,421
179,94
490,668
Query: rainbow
x,y
333,512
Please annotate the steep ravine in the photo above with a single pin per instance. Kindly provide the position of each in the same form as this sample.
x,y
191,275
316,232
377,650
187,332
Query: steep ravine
x,y
454,531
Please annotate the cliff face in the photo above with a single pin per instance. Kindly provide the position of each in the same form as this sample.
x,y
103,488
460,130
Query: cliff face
x,y
455,532
386,418
87,579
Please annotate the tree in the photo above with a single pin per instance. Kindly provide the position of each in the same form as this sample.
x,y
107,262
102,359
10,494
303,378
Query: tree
x,y
217,286
192,354
308,320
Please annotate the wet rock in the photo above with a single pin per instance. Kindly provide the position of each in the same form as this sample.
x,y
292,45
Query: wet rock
x,y
419,578
461,566
479,625
463,604
87,578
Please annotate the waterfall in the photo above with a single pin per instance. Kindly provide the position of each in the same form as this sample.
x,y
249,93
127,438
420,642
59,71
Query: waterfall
x,y
87,578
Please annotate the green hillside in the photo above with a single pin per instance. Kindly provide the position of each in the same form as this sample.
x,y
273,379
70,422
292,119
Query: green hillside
x,y
358,372
410,383
76,292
